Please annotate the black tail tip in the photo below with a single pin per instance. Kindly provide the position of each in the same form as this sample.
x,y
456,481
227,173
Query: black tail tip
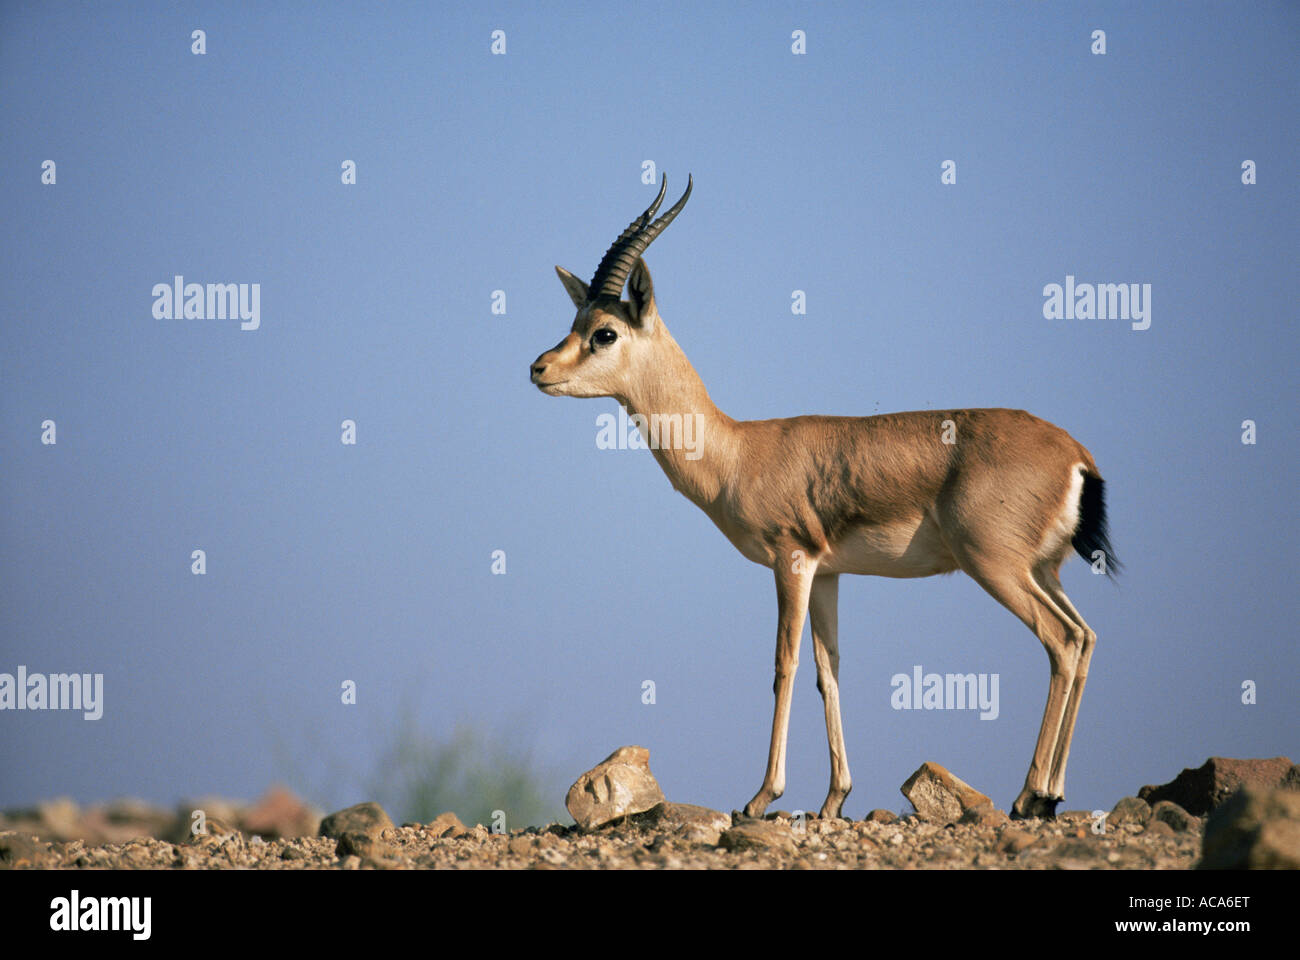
x,y
1092,538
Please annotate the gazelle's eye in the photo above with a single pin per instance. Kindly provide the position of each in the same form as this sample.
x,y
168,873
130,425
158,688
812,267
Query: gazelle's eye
x,y
604,336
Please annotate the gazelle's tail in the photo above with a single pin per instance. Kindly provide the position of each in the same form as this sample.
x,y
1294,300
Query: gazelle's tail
x,y
1092,535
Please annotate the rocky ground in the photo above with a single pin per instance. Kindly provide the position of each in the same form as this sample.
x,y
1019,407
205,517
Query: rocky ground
x,y
910,843
1248,825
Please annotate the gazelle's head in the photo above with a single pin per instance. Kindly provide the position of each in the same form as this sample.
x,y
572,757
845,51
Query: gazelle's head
x,y
613,342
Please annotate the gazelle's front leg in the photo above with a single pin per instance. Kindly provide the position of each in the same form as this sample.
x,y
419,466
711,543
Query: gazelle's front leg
x,y
794,579
823,610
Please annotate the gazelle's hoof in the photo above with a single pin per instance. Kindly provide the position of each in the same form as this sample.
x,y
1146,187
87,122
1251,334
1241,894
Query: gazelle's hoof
x,y
1030,805
758,806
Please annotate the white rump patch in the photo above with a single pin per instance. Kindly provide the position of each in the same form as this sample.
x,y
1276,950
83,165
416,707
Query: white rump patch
x,y
1060,531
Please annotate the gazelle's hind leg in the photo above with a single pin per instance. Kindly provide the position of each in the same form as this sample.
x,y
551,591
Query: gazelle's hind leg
x,y
1017,589
823,611
1049,581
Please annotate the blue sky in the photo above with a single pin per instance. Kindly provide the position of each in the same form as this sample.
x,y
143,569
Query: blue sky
x,y
476,172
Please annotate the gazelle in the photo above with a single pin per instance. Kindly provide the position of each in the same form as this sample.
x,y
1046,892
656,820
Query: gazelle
x,y
996,493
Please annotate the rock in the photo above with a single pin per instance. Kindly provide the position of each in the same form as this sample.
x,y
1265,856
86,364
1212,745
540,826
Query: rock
x,y
937,794
617,787
881,816
17,850
368,819
766,835
985,817
213,808
948,851
215,833
685,821
1174,815
1158,828
279,813
1201,790
1013,840
126,819
359,830
132,810
1254,830
359,844
59,819
1078,849
1129,810
293,853
364,846
447,825
222,808
552,857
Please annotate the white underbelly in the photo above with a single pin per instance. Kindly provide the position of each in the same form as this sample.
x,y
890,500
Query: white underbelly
x,y
901,549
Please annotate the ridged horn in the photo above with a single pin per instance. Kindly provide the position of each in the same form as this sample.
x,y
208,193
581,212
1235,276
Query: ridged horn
x,y
617,263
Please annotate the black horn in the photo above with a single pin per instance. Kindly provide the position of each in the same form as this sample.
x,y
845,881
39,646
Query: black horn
x,y
640,233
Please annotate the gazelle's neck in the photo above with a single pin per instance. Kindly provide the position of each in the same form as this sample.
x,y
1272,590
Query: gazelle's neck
x,y
695,443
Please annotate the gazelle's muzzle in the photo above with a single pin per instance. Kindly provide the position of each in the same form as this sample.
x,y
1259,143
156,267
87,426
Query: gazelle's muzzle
x,y
548,369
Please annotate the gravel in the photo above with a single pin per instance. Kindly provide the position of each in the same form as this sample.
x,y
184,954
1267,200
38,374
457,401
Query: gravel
x,y
1066,843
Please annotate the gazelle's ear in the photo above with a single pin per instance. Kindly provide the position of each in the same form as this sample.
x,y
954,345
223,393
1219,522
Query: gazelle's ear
x,y
577,289
641,296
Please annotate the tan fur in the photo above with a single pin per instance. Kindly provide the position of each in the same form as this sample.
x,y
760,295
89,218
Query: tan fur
x,y
812,497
